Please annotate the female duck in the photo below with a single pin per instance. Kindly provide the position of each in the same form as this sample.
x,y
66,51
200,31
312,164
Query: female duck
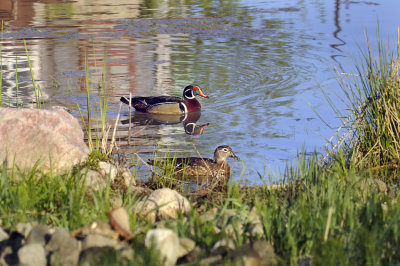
x,y
169,105
202,169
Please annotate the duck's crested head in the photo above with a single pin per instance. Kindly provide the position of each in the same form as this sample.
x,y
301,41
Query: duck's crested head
x,y
222,152
191,91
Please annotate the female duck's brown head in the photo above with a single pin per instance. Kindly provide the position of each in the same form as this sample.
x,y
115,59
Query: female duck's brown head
x,y
223,152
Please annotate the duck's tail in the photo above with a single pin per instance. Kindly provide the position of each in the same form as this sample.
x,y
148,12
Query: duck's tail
x,y
124,100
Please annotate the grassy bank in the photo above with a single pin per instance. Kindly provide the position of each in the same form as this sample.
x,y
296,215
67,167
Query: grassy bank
x,y
336,214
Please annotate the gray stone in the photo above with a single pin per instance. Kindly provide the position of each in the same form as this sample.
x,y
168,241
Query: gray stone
x,y
259,253
63,248
96,227
162,204
52,138
222,245
93,179
166,242
96,240
186,245
256,230
129,179
95,255
39,234
32,255
3,235
24,228
108,170
265,250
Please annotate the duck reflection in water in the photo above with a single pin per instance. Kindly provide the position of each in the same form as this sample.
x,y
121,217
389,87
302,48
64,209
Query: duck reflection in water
x,y
187,119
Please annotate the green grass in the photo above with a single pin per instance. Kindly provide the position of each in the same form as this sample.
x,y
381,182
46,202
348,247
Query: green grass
x,y
373,98
325,212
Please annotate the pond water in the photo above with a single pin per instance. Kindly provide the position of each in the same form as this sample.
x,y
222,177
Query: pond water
x,y
260,62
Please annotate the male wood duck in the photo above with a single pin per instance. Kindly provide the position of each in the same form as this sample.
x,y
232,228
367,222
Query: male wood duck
x,y
168,104
202,169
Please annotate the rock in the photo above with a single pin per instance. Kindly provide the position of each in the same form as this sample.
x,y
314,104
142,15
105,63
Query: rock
x,y
29,135
256,228
96,255
266,252
32,254
93,179
259,253
3,235
96,227
129,179
166,242
38,235
108,170
221,246
23,228
96,240
373,184
119,220
186,245
63,248
162,204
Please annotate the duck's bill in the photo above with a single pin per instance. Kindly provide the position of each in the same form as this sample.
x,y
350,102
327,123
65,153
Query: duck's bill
x,y
202,94
202,128
235,157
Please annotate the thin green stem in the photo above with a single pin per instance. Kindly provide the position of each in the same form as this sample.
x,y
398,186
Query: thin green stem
x,y
37,95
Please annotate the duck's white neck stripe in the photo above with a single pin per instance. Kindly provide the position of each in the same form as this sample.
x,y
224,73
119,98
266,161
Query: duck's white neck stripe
x,y
184,108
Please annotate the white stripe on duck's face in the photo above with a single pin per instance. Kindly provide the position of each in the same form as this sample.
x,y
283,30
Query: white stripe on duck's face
x,y
188,94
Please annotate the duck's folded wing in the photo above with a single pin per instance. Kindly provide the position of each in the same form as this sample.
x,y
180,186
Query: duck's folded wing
x,y
181,162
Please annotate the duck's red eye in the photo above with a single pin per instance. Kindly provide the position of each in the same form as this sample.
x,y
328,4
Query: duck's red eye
x,y
195,88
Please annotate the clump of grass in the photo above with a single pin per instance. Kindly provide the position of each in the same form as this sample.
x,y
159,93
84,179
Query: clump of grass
x,y
373,94
94,157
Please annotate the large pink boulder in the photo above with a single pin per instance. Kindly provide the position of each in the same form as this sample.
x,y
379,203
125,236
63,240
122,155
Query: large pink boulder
x,y
54,137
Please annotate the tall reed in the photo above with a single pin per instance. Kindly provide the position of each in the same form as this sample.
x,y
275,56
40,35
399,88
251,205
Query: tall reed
x,y
373,96
35,86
